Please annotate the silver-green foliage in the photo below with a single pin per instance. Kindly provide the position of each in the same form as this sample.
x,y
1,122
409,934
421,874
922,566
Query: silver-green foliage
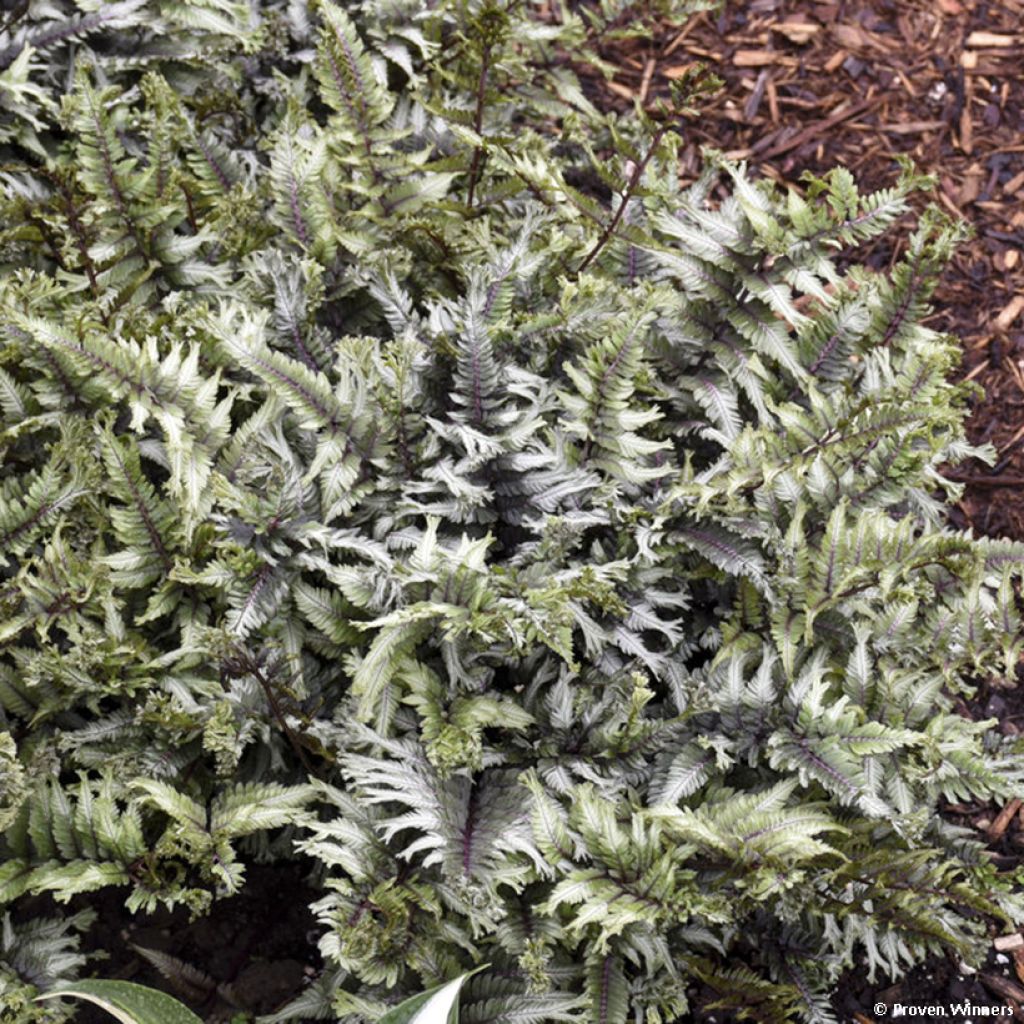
x,y
601,626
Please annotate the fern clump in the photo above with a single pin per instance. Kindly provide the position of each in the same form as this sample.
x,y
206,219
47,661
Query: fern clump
x,y
404,473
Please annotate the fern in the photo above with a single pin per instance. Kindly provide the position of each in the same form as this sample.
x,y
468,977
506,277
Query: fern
x,y
567,582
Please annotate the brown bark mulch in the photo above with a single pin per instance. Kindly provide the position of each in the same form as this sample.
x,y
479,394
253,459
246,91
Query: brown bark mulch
x,y
815,83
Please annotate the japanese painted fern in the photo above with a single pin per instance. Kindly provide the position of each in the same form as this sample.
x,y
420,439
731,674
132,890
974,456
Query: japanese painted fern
x,y
569,580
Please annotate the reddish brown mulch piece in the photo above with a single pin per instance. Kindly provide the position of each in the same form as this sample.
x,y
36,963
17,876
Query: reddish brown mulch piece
x,y
813,84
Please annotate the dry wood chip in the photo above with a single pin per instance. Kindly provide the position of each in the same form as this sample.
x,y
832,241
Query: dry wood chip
x,y
971,187
700,51
985,39
1011,258
759,58
773,101
845,112
907,83
1009,444
676,71
732,112
852,37
676,43
1003,321
835,61
949,6
1006,943
914,127
966,130
645,84
1018,375
977,371
690,26
799,32
1015,183
1002,987
753,104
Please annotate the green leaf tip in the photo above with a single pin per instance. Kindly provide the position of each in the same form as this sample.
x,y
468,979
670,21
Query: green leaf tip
x,y
128,1002
438,1005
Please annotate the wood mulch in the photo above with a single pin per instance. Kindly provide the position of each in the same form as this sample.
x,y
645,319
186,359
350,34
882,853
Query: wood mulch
x,y
813,84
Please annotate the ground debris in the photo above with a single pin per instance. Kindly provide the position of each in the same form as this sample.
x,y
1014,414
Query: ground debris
x,y
813,84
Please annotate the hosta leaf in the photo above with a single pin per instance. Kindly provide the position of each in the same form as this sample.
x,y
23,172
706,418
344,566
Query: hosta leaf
x,y
128,1002
438,1005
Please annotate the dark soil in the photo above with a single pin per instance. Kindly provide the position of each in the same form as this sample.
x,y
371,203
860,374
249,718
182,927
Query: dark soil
x,y
251,954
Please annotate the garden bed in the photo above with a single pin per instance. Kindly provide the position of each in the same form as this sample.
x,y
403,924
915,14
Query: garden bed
x,y
506,482
812,85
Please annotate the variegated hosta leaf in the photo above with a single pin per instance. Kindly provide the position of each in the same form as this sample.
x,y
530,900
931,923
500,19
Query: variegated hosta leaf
x,y
127,1002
